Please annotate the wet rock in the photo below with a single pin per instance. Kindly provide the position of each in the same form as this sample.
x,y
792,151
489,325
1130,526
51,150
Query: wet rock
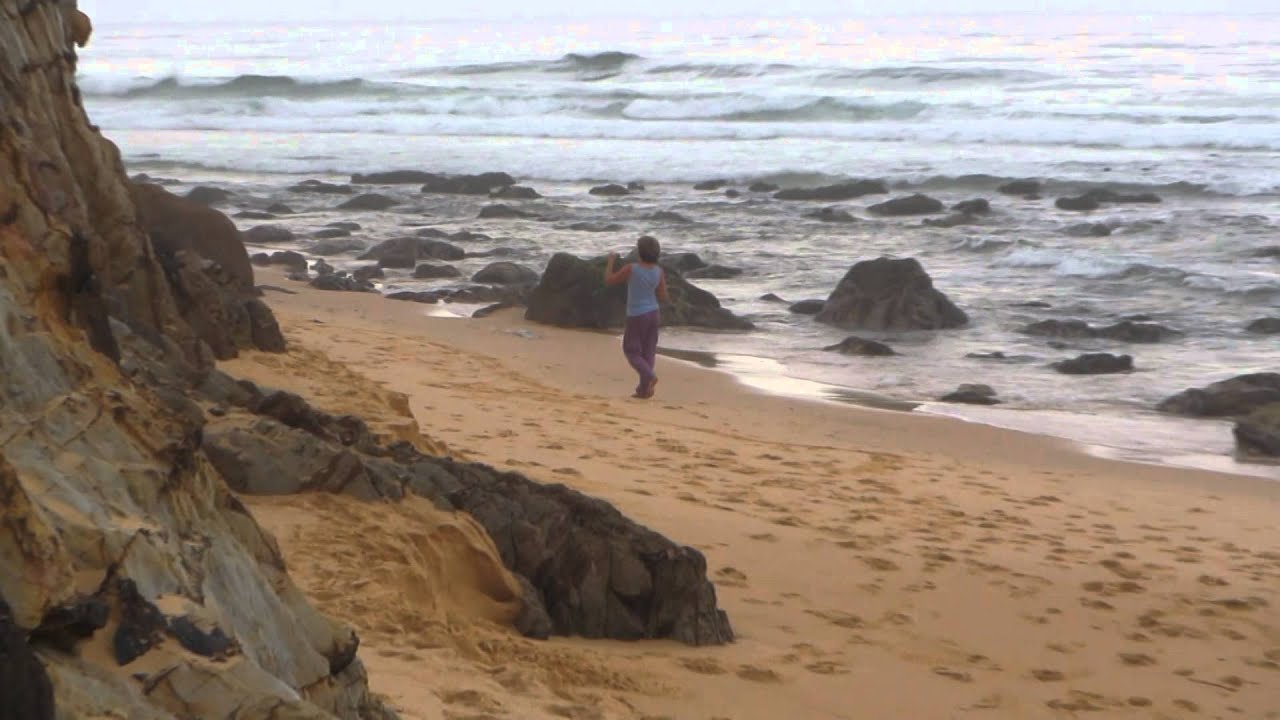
x,y
268,234
1259,432
1082,203
832,215
515,192
287,258
427,271
1236,396
571,294
1272,251
177,225
343,225
682,262
1125,331
481,184
854,345
254,215
1021,187
1060,329
212,643
771,297
141,625
367,272
909,205
732,193
635,186
208,195
369,201
840,191
427,298
341,282
978,206
972,394
807,307
280,209
405,252
1094,364
393,177
330,234
25,690
506,273
950,221
337,246
711,185
1264,326
889,294
714,272
1087,230
596,227
63,627
610,190
502,212
670,216
762,187
321,188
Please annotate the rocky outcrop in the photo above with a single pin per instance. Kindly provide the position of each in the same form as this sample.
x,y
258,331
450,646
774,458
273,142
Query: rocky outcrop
x,y
109,500
1094,199
971,394
572,293
811,306
834,193
506,273
268,234
889,294
428,271
1259,433
515,192
907,205
610,190
596,573
481,184
205,195
405,252
297,262
762,187
393,177
977,206
1264,326
369,201
711,185
1124,331
1021,187
854,345
501,211
1094,364
1237,396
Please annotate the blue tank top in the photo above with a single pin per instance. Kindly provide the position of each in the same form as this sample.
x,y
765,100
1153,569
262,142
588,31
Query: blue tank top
x,y
642,289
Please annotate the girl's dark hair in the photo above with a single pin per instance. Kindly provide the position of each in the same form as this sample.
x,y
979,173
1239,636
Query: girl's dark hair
x,y
648,249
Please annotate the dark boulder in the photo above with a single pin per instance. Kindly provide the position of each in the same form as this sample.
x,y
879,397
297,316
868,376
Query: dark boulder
x,y
762,187
1082,203
732,193
714,272
506,273
978,206
1125,331
833,193
268,234
889,294
25,690
330,234
393,177
405,252
670,216
343,225
908,205
611,190
427,271
288,258
337,246
952,220
1021,187
1271,251
369,201
280,209
499,211
1087,230
176,225
367,272
208,195
481,184
854,345
322,268
832,215
141,625
321,188
1236,396
341,282
572,293
971,394
807,307
711,185
682,262
1264,326
1094,364
771,297
515,192
1259,433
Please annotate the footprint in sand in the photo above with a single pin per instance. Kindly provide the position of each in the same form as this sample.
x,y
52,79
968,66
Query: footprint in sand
x,y
827,668
470,698
703,666
758,674
1047,675
732,577
764,537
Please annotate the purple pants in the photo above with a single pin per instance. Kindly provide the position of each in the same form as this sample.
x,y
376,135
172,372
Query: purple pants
x,y
640,345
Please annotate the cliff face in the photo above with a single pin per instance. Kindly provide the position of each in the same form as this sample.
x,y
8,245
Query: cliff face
x,y
132,583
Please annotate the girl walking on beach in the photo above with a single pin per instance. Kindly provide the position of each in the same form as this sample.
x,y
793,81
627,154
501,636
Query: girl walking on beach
x,y
646,285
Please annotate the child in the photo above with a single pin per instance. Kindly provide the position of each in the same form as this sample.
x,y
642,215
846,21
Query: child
x,y
646,285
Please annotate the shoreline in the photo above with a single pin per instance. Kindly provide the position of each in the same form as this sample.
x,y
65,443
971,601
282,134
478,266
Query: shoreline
x,y
916,565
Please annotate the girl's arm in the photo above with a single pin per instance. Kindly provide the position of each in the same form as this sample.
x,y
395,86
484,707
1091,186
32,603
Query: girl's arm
x,y
662,287
619,277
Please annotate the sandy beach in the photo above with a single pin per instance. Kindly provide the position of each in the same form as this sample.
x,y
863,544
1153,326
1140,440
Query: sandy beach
x,y
874,564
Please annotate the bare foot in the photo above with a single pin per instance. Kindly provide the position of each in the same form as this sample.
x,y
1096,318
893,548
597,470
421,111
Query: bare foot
x,y
648,390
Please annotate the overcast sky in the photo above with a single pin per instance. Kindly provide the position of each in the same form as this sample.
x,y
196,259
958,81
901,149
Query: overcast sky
x,y
120,11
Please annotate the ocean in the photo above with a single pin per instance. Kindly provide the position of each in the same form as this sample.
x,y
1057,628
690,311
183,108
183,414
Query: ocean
x,y
1187,107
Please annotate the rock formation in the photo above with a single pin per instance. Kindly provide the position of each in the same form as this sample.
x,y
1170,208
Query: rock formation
x,y
889,294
